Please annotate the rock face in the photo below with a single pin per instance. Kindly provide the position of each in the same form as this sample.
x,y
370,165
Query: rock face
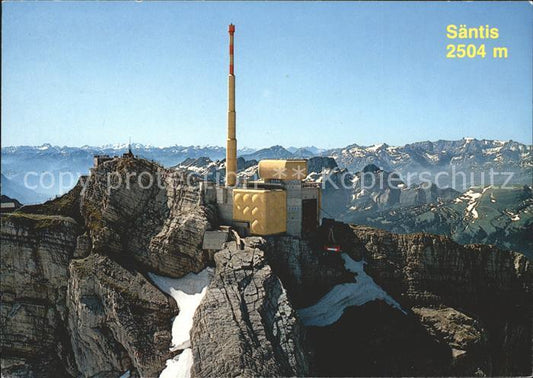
x,y
305,274
246,325
493,285
424,268
35,253
465,336
118,320
99,240
320,163
137,208
470,306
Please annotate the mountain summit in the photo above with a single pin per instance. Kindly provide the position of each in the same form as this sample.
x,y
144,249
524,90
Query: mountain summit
x,y
141,281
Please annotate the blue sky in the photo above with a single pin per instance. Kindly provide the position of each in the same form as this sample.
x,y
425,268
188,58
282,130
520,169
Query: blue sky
x,y
324,74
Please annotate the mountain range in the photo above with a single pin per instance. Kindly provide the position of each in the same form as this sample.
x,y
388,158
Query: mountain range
x,y
483,215
470,159
399,206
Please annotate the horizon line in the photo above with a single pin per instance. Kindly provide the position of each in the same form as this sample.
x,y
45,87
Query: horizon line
x,y
124,145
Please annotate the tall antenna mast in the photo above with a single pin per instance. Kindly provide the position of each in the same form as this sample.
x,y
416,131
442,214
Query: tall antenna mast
x,y
231,142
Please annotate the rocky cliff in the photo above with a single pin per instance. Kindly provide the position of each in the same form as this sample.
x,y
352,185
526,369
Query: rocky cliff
x,y
490,287
35,254
78,296
246,325
75,297
118,321
138,208
469,310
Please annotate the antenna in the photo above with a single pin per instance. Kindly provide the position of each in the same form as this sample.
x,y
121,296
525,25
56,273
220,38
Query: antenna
x,y
231,142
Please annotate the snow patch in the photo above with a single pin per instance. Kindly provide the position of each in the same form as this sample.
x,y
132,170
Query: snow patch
x,y
375,147
188,292
433,157
472,210
473,198
514,217
179,366
331,306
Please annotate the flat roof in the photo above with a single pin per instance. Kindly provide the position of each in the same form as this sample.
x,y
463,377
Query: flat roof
x,y
215,239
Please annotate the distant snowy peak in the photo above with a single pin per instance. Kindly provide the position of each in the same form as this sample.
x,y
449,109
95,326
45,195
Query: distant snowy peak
x,y
120,147
464,152
274,152
312,149
246,150
45,146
